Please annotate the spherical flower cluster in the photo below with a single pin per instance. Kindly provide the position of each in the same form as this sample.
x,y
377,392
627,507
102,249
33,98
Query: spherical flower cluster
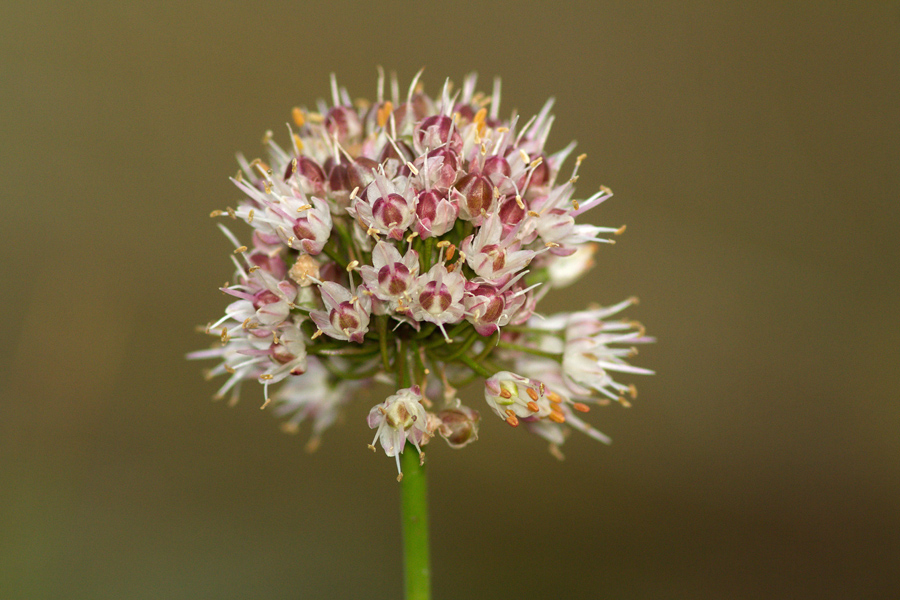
x,y
408,241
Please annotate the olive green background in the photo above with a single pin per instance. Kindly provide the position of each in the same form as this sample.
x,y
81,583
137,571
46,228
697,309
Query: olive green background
x,y
753,149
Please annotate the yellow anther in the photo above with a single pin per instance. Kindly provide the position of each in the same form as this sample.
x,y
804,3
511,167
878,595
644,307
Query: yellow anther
x,y
216,213
240,249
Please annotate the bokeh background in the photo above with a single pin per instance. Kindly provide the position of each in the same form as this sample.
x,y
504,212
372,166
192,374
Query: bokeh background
x,y
754,152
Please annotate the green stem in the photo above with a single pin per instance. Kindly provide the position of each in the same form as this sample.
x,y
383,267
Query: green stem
x,y
477,367
414,504
551,355
413,508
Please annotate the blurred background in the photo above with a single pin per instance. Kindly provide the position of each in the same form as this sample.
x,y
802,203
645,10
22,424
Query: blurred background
x,y
754,154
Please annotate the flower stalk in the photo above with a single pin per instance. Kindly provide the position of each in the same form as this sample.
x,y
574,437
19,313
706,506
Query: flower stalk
x,y
414,512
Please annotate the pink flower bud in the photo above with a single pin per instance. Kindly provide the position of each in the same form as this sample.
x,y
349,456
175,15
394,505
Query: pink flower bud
x,y
435,214
459,426
437,131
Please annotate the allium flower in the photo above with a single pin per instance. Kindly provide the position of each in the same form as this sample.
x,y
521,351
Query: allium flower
x,y
401,418
408,241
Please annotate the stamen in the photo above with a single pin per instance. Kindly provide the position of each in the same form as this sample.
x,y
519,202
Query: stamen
x,y
533,406
511,418
581,407
532,394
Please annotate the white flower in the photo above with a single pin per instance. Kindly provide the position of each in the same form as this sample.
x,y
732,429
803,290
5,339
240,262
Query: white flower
x,y
314,396
401,418
346,317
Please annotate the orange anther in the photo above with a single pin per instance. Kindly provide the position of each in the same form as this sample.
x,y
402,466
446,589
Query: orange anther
x,y
533,407
511,418
384,113
554,397
581,407
557,417
299,118
504,393
532,394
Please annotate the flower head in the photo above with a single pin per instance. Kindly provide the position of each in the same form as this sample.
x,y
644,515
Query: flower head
x,y
408,241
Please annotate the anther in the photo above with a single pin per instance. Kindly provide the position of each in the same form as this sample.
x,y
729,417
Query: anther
x,y
505,393
442,244
354,192
304,207
216,213
240,249
266,377
533,406
554,397
316,334
384,112
557,417
580,159
250,217
265,403
581,407
511,418
267,136
412,168
575,204
532,213
532,394
254,268
450,251
632,391
299,119
525,158
229,369
352,265
519,202
370,447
